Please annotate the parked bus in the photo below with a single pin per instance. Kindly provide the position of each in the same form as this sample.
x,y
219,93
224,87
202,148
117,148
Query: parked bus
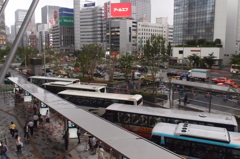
x,y
39,80
98,102
234,68
141,120
56,87
197,141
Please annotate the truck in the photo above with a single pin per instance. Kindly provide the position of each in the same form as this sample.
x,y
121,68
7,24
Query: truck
x,y
199,74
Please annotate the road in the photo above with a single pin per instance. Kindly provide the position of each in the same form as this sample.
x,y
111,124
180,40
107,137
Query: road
x,y
217,102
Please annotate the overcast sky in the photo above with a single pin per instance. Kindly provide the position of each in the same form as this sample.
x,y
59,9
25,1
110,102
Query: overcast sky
x,y
160,8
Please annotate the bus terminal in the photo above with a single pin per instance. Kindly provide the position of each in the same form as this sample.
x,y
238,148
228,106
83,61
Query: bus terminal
x,y
47,141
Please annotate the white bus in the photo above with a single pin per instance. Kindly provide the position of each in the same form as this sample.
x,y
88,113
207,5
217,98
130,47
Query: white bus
x,y
141,120
39,80
197,141
98,102
56,87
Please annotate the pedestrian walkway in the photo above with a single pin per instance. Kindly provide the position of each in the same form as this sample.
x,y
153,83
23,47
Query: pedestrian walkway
x,y
46,142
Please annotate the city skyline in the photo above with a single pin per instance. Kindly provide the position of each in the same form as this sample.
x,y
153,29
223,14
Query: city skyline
x,y
160,8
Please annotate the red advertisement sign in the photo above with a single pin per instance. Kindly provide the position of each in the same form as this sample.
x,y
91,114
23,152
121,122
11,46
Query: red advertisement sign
x,y
119,10
195,50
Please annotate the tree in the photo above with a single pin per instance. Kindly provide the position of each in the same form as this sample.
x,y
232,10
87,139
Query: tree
x,y
169,48
88,59
209,60
217,42
195,59
235,59
191,42
201,41
151,56
111,62
125,63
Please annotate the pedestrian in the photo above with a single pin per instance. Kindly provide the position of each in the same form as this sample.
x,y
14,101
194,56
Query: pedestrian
x,y
78,134
40,119
19,143
26,131
12,128
30,125
35,120
66,139
86,139
4,150
90,143
179,100
185,100
35,107
100,152
47,116
93,143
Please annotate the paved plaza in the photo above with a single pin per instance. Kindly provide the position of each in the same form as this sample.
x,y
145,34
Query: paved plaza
x,y
46,142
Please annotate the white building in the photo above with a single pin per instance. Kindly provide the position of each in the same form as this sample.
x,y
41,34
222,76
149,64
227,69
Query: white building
x,y
146,30
121,36
92,26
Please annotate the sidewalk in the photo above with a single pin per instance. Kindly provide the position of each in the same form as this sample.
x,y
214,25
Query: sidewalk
x,y
46,142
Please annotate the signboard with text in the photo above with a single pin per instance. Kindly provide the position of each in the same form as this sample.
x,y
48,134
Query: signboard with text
x,y
121,10
89,4
66,21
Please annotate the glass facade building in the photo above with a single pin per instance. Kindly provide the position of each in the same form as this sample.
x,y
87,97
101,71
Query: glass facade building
x,y
193,20
143,9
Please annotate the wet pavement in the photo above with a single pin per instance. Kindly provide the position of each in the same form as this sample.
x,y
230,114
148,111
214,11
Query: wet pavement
x,y
46,142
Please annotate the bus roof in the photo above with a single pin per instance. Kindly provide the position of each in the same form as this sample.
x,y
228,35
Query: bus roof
x,y
54,78
198,131
75,85
101,95
173,113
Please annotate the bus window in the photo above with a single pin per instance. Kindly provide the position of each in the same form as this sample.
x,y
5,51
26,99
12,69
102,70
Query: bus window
x,y
152,121
144,120
233,153
139,101
120,117
135,119
127,118
102,90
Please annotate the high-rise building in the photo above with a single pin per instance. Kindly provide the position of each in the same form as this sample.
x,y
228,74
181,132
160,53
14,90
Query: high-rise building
x,y
209,20
121,36
147,29
92,26
143,9
76,5
49,14
63,31
19,18
20,15
3,37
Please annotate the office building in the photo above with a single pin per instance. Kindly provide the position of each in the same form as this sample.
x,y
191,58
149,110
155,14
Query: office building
x,y
20,15
121,36
92,26
43,37
76,5
63,32
147,29
209,20
142,9
3,37
49,15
